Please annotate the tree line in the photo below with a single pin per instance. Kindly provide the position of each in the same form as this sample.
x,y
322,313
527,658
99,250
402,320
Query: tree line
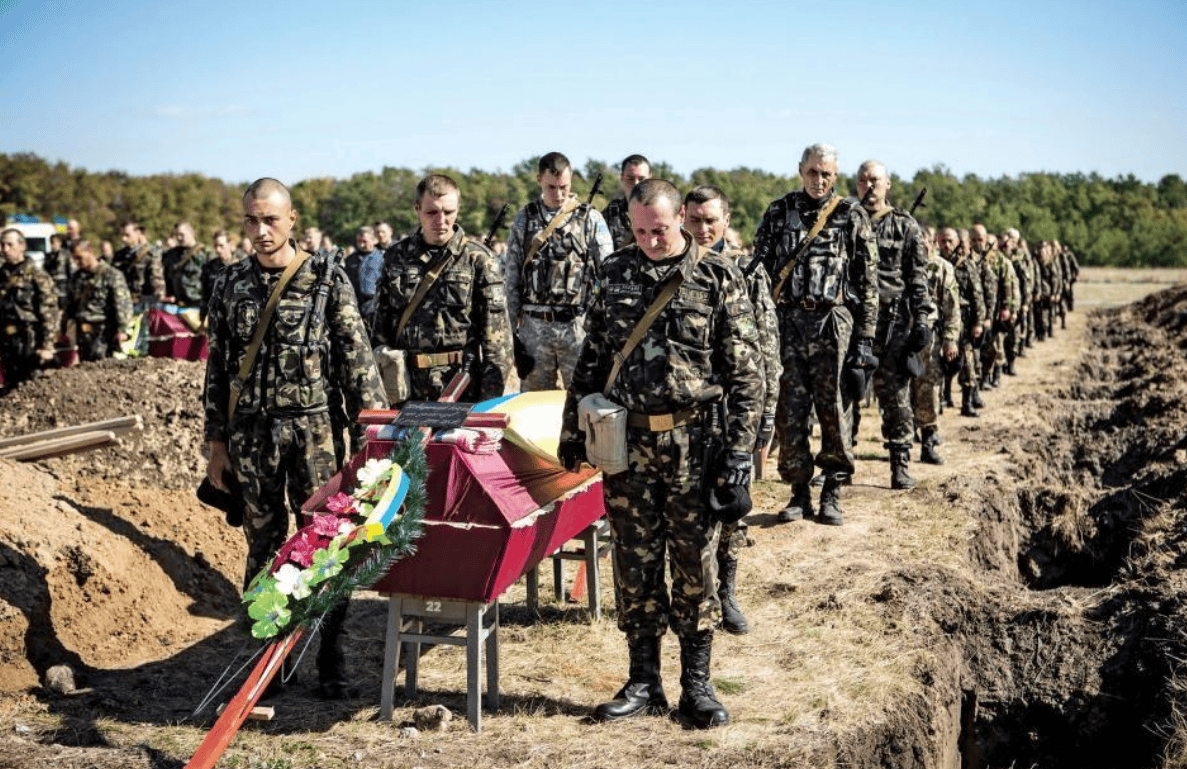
x,y
1122,221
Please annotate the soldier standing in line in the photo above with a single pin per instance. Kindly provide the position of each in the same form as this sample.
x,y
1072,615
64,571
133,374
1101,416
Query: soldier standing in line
x,y
634,169
972,310
1071,272
904,307
275,439
183,268
943,346
707,215
224,256
1052,282
702,348
554,248
1006,297
98,303
1020,329
141,266
59,265
28,313
459,320
824,298
364,267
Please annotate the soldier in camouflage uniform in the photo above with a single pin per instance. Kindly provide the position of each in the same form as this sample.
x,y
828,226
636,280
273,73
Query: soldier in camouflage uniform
x,y
904,308
972,311
634,169
141,267
462,321
225,254
28,313
98,303
1050,290
277,444
1024,270
944,345
701,349
707,217
1006,297
183,268
59,265
550,279
824,299
1071,272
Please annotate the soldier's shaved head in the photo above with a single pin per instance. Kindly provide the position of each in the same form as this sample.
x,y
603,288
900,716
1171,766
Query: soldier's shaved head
x,y
649,191
436,185
266,187
874,167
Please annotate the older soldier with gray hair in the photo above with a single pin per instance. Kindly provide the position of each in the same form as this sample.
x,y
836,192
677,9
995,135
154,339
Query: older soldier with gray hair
x,y
271,431
700,350
820,251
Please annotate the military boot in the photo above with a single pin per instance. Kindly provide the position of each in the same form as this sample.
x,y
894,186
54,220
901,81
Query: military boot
x,y
996,381
976,399
830,502
967,409
947,399
931,439
698,707
799,506
331,662
732,619
900,457
643,691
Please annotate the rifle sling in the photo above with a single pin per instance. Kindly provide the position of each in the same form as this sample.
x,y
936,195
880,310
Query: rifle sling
x,y
257,336
821,219
435,270
657,305
543,235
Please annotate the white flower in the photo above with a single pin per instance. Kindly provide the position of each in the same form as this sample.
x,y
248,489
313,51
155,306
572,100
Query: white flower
x,y
287,578
345,527
371,473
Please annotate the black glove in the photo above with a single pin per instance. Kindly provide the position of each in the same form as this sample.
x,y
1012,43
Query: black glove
x,y
919,338
766,430
863,355
524,363
729,496
571,453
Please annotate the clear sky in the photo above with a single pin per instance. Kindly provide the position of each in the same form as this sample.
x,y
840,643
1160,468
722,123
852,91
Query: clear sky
x,y
307,88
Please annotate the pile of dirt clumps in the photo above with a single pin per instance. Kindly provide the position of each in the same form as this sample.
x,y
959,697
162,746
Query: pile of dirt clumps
x,y
166,393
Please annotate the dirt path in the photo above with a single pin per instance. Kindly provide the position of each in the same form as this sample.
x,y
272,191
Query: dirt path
x,y
908,637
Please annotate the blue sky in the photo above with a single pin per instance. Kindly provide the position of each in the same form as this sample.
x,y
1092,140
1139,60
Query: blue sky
x,y
300,89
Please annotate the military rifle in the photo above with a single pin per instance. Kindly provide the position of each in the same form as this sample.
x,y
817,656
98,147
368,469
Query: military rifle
x,y
495,226
595,189
918,201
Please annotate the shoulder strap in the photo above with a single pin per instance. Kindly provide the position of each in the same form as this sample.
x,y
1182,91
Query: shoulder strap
x,y
657,305
431,275
543,235
257,336
821,220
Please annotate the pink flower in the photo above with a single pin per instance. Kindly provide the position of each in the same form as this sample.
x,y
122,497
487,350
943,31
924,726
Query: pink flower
x,y
326,525
300,548
342,504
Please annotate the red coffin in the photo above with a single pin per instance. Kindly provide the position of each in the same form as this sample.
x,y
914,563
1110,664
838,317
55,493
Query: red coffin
x,y
170,337
489,518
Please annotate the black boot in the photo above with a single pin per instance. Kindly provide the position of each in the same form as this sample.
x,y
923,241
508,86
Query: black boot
x,y
331,662
644,691
830,502
732,619
975,399
947,399
996,381
931,439
900,457
1008,369
698,702
966,403
799,506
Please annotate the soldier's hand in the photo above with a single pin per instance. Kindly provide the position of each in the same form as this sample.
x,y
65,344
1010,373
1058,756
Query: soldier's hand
x,y
218,464
571,454
977,331
525,363
919,338
950,350
863,356
1005,314
45,356
766,430
728,496
736,469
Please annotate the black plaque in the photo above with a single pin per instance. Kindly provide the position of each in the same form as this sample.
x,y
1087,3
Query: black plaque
x,y
434,414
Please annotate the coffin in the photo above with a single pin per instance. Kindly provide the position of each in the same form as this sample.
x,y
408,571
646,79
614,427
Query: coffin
x,y
171,336
489,518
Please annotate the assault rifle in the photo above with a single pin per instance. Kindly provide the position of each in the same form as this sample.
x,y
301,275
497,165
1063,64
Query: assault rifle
x,y
918,201
496,225
595,189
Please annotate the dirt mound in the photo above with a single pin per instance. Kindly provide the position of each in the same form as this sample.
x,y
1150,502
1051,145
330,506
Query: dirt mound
x,y
166,393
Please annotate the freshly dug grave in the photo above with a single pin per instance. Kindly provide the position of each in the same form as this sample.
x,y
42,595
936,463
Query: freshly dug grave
x,y
1019,607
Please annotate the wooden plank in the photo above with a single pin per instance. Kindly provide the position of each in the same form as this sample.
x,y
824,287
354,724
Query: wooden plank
x,y
59,446
119,425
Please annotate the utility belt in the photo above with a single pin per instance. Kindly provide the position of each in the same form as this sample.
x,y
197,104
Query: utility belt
x,y
560,314
811,305
660,423
429,360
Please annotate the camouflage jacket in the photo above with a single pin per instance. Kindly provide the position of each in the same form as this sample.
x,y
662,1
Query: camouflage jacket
x,y
212,272
1071,266
1005,283
941,284
562,272
464,310
972,295
28,303
618,220
702,347
99,298
183,274
1024,271
840,265
988,284
1051,272
60,267
301,355
759,285
902,265
142,270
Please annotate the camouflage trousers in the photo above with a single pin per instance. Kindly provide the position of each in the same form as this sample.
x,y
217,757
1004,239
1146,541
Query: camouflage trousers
x,y
892,385
925,389
18,359
969,368
279,462
555,346
655,509
732,540
1016,335
814,345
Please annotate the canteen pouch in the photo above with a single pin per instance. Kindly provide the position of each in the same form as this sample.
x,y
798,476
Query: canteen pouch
x,y
393,372
604,424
